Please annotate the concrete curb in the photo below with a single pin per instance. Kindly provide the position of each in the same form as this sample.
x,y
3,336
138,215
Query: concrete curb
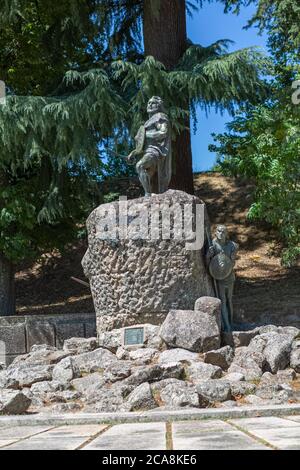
x,y
149,416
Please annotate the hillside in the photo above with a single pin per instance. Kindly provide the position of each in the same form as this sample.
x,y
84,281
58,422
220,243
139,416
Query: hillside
x,y
265,291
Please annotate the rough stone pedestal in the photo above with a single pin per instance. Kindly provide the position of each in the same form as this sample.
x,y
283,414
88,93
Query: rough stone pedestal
x,y
140,281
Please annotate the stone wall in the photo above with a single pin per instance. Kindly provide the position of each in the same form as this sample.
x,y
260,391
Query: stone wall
x,y
21,332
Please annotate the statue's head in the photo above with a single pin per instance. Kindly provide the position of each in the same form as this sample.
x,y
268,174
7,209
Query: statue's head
x,y
155,105
221,233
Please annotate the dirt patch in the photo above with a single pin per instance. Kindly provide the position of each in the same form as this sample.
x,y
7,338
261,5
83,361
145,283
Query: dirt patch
x,y
265,291
47,287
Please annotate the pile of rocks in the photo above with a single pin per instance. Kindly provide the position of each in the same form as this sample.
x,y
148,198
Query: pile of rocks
x,y
181,364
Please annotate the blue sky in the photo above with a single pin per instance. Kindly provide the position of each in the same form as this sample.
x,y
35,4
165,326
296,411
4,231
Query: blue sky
x,y
206,27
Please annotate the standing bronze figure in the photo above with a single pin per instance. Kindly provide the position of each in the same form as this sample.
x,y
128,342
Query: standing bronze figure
x,y
221,257
153,145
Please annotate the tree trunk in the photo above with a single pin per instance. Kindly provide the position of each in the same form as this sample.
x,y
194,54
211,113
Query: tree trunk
x,y
165,38
7,287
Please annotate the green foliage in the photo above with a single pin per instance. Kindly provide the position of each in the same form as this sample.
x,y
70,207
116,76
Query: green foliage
x,y
205,76
111,197
49,159
264,144
79,65
41,40
35,218
49,165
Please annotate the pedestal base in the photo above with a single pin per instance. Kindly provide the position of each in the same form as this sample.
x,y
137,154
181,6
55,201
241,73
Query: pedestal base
x,y
136,281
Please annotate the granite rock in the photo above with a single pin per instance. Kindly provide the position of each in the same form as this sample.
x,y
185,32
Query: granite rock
x,y
122,354
178,355
213,391
255,400
211,306
94,361
107,399
141,399
221,357
143,356
136,281
243,338
229,404
62,408
13,402
179,395
199,372
62,397
28,374
194,331
247,362
40,355
267,329
234,377
157,387
277,393
41,388
282,377
88,384
277,352
156,373
290,331
65,371
118,371
295,360
80,345
275,348
8,382
240,389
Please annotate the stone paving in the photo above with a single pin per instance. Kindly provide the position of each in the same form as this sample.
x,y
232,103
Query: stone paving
x,y
265,433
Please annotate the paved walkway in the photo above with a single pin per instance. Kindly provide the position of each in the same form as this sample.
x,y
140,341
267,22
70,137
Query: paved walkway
x,y
265,433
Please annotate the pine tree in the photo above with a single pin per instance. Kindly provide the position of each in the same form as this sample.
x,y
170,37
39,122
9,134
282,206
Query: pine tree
x,y
43,197
160,26
85,80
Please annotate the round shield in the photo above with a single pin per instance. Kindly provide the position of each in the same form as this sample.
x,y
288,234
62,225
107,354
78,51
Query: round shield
x,y
220,267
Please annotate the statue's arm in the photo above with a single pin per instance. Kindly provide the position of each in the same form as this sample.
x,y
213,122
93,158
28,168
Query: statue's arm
x,y
131,157
210,254
234,251
160,133
139,141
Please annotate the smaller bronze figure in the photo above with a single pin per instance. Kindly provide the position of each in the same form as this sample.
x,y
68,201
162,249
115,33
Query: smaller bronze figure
x,y
153,145
220,258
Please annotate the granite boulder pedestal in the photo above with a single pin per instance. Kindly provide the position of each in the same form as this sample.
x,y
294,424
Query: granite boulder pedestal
x,y
138,278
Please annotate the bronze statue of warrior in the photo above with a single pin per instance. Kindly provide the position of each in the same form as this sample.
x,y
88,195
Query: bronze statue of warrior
x,y
221,257
153,145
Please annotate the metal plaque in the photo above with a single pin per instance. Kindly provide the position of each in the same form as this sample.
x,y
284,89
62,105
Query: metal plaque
x,y
133,336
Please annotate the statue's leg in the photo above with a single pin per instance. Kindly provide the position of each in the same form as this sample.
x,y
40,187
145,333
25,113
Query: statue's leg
x,y
146,169
162,179
225,315
154,184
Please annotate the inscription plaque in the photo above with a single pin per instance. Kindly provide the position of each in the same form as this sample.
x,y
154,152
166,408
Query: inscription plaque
x,y
133,336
